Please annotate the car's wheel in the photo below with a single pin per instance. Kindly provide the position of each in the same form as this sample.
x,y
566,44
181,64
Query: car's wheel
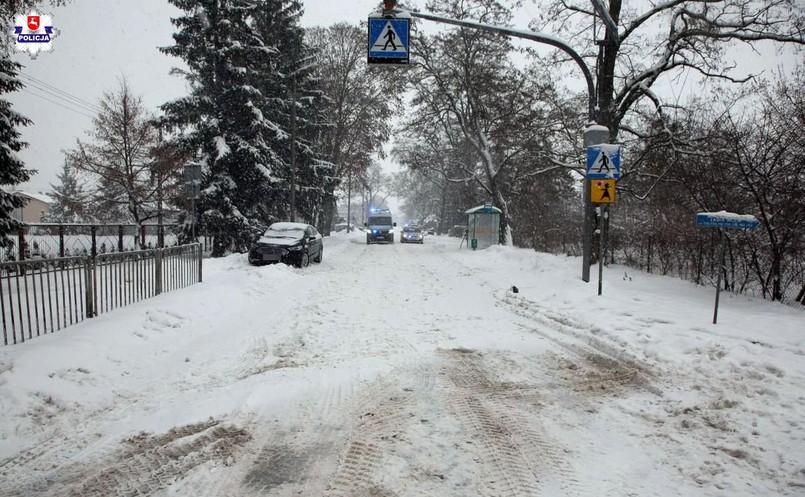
x,y
319,257
304,260
367,241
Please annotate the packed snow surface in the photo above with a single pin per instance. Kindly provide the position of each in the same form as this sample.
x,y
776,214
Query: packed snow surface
x,y
412,370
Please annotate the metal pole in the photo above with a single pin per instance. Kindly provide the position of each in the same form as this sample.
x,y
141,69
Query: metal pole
x,y
21,243
720,269
89,286
593,135
61,240
602,237
349,198
93,230
200,254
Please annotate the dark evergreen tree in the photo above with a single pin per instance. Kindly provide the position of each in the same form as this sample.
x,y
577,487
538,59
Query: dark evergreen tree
x,y
68,198
225,121
293,99
12,169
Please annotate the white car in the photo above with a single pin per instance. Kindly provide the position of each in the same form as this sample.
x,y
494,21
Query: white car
x,y
412,234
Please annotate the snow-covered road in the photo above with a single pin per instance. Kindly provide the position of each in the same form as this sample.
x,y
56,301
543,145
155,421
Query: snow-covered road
x,y
412,370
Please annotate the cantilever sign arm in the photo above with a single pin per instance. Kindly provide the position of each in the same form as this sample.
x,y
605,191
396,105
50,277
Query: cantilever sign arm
x,y
528,35
612,28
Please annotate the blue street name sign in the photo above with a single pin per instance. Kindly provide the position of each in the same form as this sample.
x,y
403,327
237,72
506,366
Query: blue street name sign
x,y
604,161
716,220
388,40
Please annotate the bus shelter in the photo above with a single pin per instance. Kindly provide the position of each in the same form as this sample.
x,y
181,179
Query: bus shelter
x,y
483,226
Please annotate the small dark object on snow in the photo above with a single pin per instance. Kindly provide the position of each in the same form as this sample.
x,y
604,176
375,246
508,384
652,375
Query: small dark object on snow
x,y
515,289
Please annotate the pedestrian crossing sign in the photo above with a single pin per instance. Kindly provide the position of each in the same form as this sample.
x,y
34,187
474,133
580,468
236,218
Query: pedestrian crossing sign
x,y
388,40
604,161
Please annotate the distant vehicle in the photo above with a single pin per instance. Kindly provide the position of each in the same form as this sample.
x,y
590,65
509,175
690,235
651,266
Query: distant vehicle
x,y
411,234
379,227
431,231
290,243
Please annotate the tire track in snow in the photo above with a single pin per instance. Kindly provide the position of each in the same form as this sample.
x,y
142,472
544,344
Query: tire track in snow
x,y
522,459
383,413
611,364
141,465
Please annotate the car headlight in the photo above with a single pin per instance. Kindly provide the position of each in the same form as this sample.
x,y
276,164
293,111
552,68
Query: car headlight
x,y
295,248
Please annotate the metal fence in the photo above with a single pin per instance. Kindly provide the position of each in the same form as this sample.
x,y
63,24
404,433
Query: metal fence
x,y
40,296
40,240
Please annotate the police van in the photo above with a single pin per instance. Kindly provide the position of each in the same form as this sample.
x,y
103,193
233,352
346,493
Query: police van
x,y
379,227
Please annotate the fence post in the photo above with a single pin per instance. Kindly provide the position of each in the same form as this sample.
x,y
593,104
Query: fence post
x,y
21,243
158,271
142,237
89,292
648,257
200,252
93,233
61,240
120,238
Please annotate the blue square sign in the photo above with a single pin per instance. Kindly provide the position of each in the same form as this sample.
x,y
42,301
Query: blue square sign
x,y
388,40
604,161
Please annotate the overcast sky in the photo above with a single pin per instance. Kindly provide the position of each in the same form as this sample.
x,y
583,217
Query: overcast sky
x,y
99,42
102,41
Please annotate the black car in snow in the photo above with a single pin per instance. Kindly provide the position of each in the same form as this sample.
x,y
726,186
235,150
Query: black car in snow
x,y
291,243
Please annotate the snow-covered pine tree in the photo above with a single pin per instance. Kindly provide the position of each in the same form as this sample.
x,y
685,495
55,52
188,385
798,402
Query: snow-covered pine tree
x,y
68,198
294,99
12,169
223,120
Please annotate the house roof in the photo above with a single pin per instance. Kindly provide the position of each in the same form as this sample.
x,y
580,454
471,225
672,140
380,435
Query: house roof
x,y
42,197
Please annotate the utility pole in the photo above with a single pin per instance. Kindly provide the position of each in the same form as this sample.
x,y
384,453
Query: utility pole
x,y
160,163
349,197
293,149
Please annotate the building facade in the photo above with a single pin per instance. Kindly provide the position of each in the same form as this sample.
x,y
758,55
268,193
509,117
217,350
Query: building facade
x,y
37,206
